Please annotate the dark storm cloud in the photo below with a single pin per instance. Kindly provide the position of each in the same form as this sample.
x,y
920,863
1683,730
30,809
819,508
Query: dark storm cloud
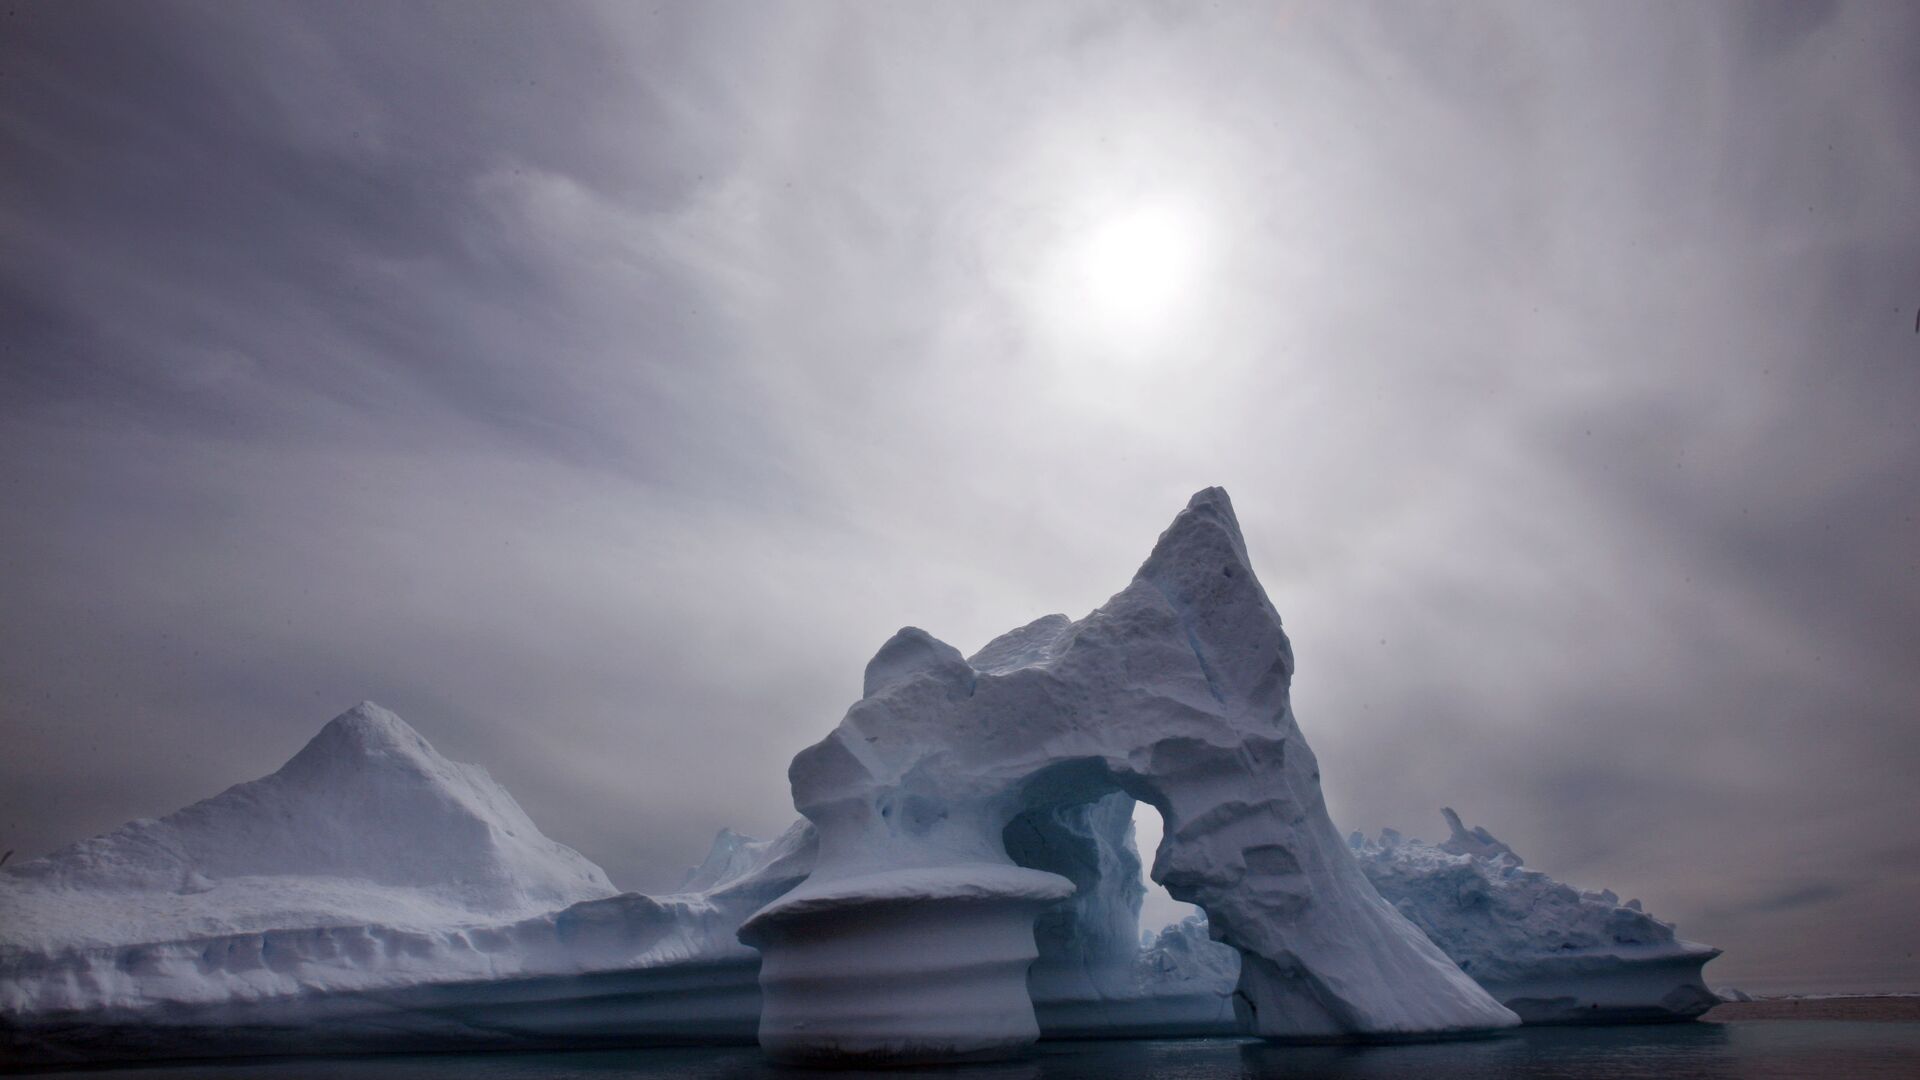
x,y
597,387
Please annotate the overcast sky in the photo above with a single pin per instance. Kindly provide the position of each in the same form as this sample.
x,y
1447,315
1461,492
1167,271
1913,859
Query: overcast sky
x,y
599,387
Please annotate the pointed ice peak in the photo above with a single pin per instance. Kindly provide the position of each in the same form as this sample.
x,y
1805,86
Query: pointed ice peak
x,y
1213,500
363,732
737,863
718,864
1211,507
371,722
1475,841
726,844
1200,567
1205,536
909,652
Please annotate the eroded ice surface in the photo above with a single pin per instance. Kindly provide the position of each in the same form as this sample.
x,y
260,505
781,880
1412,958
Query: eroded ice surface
x,y
1175,692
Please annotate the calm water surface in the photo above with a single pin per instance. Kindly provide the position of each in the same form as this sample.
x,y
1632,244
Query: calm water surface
x,y
1747,1050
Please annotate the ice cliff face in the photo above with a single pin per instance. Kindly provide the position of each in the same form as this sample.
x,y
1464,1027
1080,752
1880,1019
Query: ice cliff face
x,y
1549,952
1174,692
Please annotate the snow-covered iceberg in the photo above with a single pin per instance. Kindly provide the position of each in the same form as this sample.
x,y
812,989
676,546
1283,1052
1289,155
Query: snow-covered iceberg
x,y
366,825
913,935
964,879
372,895
1549,952
369,895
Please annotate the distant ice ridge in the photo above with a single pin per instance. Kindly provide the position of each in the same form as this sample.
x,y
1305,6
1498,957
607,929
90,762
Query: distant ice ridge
x,y
1549,952
912,937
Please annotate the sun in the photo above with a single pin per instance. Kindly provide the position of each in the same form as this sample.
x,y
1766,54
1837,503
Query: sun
x,y
1138,264
1125,280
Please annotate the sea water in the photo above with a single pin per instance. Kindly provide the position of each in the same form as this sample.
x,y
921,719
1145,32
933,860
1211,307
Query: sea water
x,y
1742,1050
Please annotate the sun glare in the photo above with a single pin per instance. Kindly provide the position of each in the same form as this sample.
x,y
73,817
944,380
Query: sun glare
x,y
1139,263
1122,282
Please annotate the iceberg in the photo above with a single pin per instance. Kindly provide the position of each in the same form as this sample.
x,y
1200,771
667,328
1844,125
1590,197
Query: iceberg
x,y
366,824
370,895
964,879
912,937
1551,953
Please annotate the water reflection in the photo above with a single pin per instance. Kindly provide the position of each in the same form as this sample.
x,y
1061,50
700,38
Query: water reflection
x,y
1692,1050
1751,1050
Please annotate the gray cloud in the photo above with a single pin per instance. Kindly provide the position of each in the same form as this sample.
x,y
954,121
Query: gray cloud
x,y
1803,896
598,386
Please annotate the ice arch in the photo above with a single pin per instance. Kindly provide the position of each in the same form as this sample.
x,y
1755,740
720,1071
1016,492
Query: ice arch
x,y
913,935
1089,943
1094,976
